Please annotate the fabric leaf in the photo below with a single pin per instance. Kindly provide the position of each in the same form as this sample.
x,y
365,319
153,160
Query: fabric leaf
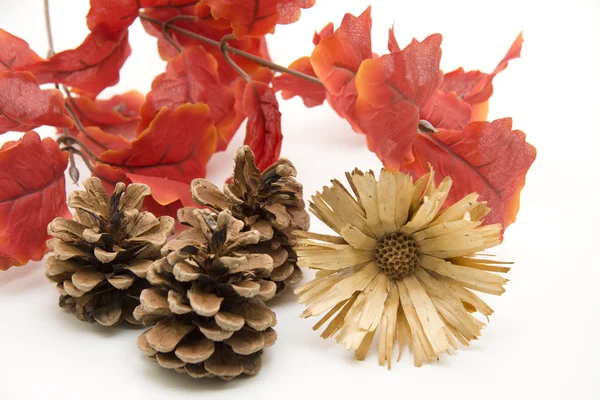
x,y
176,145
257,17
192,77
391,89
24,106
475,86
486,157
263,128
15,53
91,67
312,94
32,195
109,114
446,111
336,60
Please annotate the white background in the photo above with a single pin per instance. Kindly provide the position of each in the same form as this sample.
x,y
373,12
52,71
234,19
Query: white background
x,y
544,339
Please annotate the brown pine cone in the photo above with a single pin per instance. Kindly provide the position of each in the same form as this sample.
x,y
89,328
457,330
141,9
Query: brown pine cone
x,y
207,299
100,258
270,202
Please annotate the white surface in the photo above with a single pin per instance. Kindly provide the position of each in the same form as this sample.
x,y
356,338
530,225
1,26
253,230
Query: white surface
x,y
542,342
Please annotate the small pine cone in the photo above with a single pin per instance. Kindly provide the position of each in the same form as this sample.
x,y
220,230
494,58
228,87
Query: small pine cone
x,y
270,202
207,299
100,258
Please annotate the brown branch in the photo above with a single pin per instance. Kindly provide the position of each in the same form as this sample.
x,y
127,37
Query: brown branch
x,y
169,25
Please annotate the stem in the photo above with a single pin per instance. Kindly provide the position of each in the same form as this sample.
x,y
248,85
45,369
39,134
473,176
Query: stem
x,y
48,29
237,68
168,25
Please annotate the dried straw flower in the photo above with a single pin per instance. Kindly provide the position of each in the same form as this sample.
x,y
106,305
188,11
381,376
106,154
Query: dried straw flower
x,y
399,264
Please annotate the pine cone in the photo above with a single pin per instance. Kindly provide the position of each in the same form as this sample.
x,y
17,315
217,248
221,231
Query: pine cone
x,y
207,299
100,258
270,203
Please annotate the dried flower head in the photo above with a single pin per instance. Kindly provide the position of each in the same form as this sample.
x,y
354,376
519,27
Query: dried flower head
x,y
400,264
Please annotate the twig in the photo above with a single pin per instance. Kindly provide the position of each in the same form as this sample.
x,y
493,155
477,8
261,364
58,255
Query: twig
x,y
168,37
48,29
261,61
237,68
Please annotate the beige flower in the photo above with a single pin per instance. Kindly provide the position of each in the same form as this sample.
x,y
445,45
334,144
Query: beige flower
x,y
400,264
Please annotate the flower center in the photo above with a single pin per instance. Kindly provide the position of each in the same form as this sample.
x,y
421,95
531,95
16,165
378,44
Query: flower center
x,y
398,255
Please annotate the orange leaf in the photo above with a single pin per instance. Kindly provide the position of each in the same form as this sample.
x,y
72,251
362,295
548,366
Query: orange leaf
x,y
111,115
263,128
99,141
393,45
192,77
326,32
91,67
32,195
486,157
446,111
475,86
167,196
24,106
391,89
312,94
15,54
257,17
176,145
336,60
113,16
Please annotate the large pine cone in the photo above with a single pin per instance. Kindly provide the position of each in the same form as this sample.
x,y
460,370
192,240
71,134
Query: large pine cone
x,y
100,258
207,299
270,202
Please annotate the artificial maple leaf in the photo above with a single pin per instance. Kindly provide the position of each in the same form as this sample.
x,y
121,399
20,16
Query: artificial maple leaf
x,y
24,106
167,196
393,45
32,195
326,32
113,16
486,157
204,25
391,89
446,111
98,141
15,53
111,115
312,94
463,96
263,128
176,145
192,77
336,60
91,67
257,17
474,86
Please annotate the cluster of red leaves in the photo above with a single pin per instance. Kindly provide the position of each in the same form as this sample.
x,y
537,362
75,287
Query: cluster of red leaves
x,y
163,139
166,138
385,98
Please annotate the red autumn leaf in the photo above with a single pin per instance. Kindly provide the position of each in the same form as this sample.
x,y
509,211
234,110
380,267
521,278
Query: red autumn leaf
x,y
91,67
263,128
391,89
206,26
24,106
446,111
393,45
486,157
336,60
176,145
326,32
110,114
475,86
312,94
99,141
167,196
15,54
113,16
257,17
32,195
192,77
